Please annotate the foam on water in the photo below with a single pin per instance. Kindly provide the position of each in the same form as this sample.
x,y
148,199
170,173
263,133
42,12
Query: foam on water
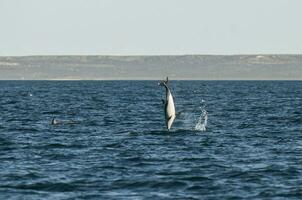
x,y
203,118
190,120
202,121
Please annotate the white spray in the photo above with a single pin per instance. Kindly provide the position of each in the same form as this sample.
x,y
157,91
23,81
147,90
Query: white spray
x,y
202,119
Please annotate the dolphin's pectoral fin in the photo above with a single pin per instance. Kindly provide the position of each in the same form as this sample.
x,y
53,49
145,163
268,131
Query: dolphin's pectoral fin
x,y
169,118
163,101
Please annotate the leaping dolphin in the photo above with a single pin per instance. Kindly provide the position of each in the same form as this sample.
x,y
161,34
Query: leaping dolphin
x,y
169,104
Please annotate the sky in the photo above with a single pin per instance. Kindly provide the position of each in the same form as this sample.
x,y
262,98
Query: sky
x,y
150,27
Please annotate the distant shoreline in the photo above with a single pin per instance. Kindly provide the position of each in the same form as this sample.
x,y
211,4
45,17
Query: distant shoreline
x,y
177,67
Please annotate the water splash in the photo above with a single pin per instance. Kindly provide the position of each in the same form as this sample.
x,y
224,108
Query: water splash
x,y
193,119
202,119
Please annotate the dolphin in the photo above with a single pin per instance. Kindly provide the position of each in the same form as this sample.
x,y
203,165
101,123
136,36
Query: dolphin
x,y
169,104
54,121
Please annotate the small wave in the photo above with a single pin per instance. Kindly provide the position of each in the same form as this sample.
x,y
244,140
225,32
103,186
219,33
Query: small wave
x,y
24,129
4,142
60,146
45,186
163,132
153,132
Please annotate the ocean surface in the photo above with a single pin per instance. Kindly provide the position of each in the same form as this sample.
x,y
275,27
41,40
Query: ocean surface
x,y
230,140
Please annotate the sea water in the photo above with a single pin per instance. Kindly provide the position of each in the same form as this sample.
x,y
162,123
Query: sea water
x,y
231,139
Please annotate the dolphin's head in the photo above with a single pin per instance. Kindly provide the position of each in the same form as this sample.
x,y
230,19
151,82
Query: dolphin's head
x,y
163,82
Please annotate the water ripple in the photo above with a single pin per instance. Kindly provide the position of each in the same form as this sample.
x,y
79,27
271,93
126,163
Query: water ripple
x,y
111,141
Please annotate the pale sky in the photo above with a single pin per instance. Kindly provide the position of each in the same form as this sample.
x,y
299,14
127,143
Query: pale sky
x,y
150,27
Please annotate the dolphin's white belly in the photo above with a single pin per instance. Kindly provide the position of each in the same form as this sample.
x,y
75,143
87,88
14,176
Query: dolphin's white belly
x,y
170,111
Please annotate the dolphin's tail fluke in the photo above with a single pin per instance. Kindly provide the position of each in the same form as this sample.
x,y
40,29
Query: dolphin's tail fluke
x,y
163,82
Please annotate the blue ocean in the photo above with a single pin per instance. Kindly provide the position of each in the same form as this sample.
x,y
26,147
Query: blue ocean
x,y
230,140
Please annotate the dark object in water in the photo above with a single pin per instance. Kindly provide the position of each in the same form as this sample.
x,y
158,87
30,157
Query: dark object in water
x,y
54,121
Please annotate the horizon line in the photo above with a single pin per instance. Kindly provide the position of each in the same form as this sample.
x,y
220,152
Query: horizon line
x,y
151,79
146,55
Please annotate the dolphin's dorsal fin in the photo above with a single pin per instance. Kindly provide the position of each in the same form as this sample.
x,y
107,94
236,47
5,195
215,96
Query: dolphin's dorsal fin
x,y
167,79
